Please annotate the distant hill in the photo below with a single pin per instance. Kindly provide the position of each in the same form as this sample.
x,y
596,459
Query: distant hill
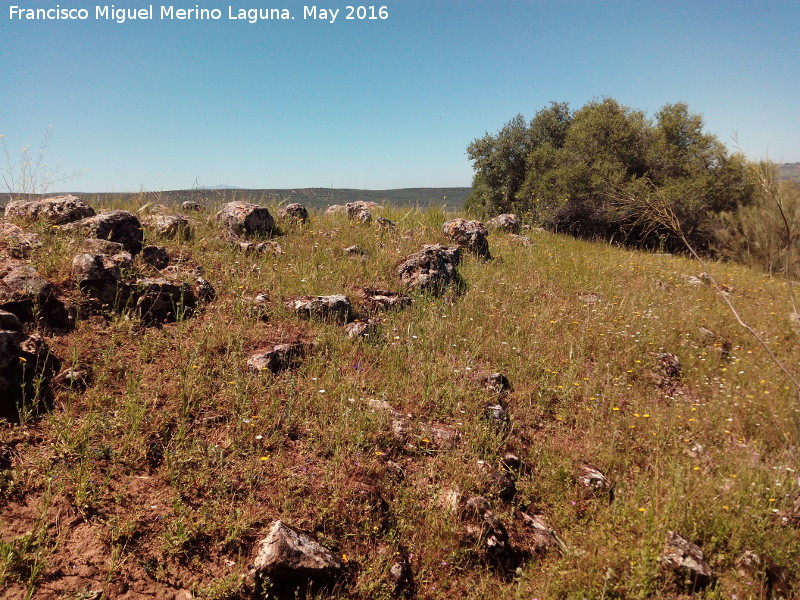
x,y
318,198
789,171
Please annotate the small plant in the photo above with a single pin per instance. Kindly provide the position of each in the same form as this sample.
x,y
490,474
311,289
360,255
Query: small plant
x,y
30,174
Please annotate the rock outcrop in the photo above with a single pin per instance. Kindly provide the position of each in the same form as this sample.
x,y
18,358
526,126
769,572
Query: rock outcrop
x,y
335,308
57,210
295,212
116,226
431,270
243,218
507,222
470,235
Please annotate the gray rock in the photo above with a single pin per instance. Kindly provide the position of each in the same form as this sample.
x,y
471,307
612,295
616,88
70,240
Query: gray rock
x,y
72,379
276,358
155,256
99,278
539,535
116,226
243,218
431,270
497,414
334,209
507,222
16,242
335,308
356,251
365,329
670,365
94,267
686,560
9,321
593,480
192,206
26,368
170,226
470,235
22,289
522,240
57,210
97,246
386,224
295,212
359,212
260,247
377,300
203,289
286,552
159,300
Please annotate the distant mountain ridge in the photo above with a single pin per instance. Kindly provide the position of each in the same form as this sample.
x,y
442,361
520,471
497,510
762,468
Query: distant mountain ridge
x,y
789,170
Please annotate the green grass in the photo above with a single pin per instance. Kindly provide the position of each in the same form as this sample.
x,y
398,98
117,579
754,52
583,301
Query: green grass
x,y
172,464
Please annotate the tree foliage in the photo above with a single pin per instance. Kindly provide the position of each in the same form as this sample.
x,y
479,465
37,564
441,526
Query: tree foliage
x,y
586,172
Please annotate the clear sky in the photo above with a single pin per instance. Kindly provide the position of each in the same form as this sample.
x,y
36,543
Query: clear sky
x,y
162,104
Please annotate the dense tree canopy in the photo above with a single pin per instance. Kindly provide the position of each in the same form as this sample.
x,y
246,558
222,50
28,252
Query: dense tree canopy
x,y
594,171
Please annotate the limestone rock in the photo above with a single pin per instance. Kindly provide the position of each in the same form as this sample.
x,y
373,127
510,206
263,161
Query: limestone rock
x,y
359,212
356,251
26,367
335,308
276,358
295,212
432,269
470,235
286,552
386,224
270,246
507,222
334,209
170,226
365,329
522,240
686,560
376,299
22,289
192,206
16,242
539,535
116,226
593,480
155,256
56,210
670,365
159,300
9,321
243,218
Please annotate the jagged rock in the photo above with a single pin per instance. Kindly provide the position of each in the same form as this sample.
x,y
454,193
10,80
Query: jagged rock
x,y
26,367
243,218
335,308
170,226
155,256
398,572
439,436
501,483
97,246
16,242
116,226
493,382
334,209
686,560
359,212
154,208
470,235
356,251
540,536
22,289
159,300
258,306
432,269
506,222
593,480
295,212
56,210
9,321
98,277
358,329
497,414
376,299
523,240
260,247
192,206
72,379
276,358
204,290
669,365
287,553
385,224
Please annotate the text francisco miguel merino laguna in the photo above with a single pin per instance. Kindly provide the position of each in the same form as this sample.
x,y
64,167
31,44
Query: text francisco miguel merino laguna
x,y
109,12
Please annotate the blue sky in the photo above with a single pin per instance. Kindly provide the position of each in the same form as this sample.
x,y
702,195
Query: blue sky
x,y
376,104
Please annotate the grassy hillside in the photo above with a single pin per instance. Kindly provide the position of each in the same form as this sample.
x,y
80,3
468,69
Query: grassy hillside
x,y
789,170
159,479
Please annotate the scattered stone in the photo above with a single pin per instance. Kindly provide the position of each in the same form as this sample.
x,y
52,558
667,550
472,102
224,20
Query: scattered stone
x,y
591,298
243,218
497,414
432,269
295,212
470,235
155,256
170,226
376,299
9,321
356,251
72,379
493,382
154,208
287,553
359,212
522,240
259,306
693,281
509,223
593,479
260,247
116,226
686,560
204,290
502,483
438,436
540,536
16,242
398,572
334,209
192,206
335,308
57,210
476,507
276,358
98,246
748,564
88,268
26,367
22,289
669,365
386,224
159,301
365,329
